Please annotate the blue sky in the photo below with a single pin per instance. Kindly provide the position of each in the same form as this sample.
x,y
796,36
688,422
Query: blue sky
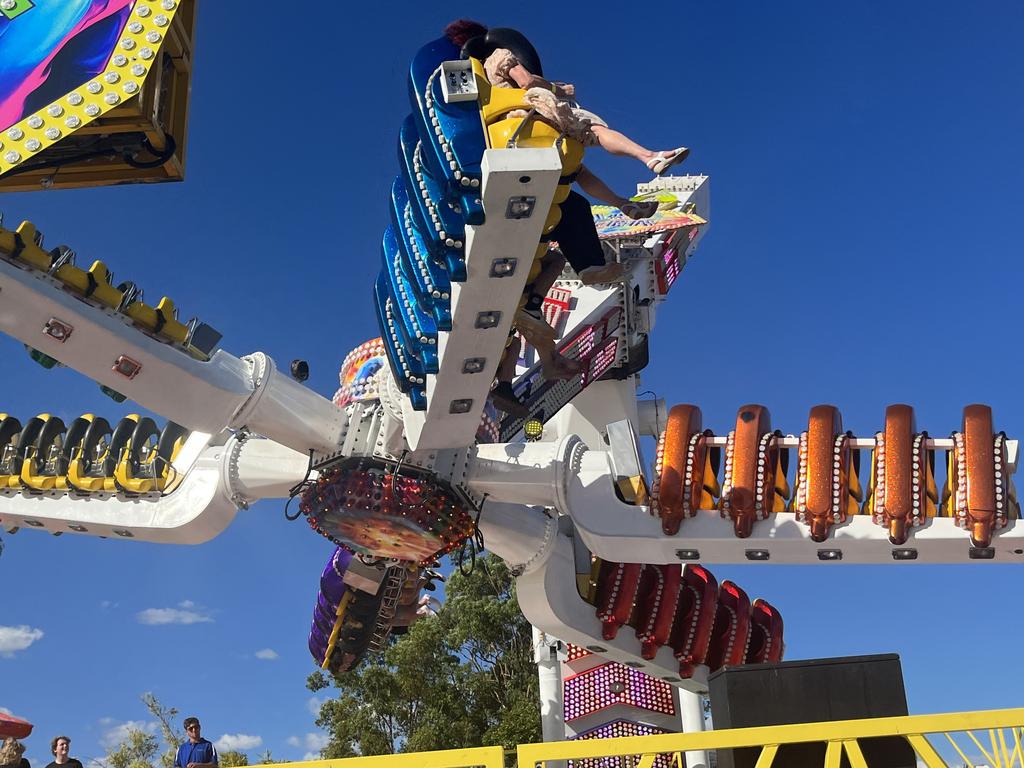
x,y
865,249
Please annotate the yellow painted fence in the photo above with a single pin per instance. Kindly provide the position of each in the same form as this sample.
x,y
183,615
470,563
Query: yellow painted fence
x,y
992,738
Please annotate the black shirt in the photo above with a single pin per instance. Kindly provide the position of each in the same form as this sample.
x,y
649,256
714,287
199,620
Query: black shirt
x,y
71,763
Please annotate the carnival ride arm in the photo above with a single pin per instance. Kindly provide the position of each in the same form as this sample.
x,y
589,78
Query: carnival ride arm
x,y
214,476
202,395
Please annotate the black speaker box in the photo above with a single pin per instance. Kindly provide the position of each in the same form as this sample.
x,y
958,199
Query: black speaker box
x,y
815,690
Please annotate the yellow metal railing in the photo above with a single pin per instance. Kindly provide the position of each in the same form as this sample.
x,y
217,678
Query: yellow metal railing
x,y
992,738
475,757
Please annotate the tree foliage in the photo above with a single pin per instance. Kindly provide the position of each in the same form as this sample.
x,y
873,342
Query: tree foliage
x,y
231,758
137,749
141,749
464,678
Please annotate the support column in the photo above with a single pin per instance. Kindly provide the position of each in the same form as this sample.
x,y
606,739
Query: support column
x,y
549,673
691,707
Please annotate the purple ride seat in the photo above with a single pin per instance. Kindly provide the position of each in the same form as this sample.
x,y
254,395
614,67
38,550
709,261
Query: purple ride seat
x,y
331,582
324,619
317,645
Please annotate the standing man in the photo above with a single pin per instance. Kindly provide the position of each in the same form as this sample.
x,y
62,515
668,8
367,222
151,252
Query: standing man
x,y
197,752
60,746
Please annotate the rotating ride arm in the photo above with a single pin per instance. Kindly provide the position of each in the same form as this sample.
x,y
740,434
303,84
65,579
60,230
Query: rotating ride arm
x,y
830,517
81,319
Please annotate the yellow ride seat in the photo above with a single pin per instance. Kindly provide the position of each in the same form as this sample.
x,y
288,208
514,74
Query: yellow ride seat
x,y
170,327
10,465
41,445
94,284
22,246
497,103
136,471
142,314
118,447
87,456
161,320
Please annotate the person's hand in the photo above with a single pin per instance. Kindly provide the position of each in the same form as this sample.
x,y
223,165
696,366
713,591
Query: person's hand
x,y
191,765
568,90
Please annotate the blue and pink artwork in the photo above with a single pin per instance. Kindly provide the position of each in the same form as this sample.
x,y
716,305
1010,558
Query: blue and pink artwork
x,y
52,47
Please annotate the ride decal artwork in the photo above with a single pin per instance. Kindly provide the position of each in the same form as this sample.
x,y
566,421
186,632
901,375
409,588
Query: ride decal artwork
x,y
611,222
53,47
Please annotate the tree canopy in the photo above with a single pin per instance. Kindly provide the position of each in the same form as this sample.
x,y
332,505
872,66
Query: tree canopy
x,y
464,678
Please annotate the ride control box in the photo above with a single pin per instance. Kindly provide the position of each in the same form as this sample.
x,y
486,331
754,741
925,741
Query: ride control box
x,y
808,691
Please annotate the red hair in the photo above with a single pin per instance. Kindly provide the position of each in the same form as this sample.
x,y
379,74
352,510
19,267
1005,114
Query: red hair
x,y
461,30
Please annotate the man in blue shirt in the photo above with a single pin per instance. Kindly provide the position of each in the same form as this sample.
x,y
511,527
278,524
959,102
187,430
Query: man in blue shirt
x,y
197,752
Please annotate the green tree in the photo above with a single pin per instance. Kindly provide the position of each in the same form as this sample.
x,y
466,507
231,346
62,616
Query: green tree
x,y
462,679
139,749
232,758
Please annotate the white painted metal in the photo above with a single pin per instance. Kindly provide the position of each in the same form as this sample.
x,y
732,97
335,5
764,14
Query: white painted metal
x,y
288,412
262,469
221,475
549,673
549,600
518,473
507,173
600,404
203,396
580,483
518,534
691,709
687,189
652,416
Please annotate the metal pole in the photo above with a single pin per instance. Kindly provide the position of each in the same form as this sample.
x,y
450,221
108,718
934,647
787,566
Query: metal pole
x,y
691,707
549,674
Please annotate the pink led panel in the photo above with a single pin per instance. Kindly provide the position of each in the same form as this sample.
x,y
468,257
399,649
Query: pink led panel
x,y
613,730
611,684
576,652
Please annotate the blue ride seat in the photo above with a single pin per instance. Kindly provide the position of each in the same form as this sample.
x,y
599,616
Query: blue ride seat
x,y
429,279
439,225
406,369
452,134
417,329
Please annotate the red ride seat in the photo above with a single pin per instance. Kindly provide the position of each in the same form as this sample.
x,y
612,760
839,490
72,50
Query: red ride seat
x,y
766,645
728,646
656,605
616,588
694,619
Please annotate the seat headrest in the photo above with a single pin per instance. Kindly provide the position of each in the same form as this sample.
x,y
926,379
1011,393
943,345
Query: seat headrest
x,y
482,46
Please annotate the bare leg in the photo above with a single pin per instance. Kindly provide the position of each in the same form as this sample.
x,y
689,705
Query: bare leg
x,y
552,265
507,366
594,186
617,143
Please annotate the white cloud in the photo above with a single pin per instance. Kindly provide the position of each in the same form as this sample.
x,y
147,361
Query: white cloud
x,y
267,654
14,639
183,614
311,756
115,732
106,605
231,741
314,704
313,742
5,711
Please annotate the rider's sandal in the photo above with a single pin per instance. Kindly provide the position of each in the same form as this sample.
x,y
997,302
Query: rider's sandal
x,y
662,161
606,273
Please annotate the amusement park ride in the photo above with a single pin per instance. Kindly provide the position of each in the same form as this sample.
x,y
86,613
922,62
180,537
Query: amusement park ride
x,y
411,459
